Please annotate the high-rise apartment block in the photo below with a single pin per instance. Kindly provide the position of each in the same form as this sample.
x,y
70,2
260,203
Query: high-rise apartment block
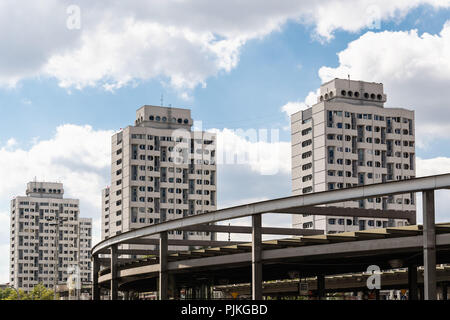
x,y
49,240
160,170
348,138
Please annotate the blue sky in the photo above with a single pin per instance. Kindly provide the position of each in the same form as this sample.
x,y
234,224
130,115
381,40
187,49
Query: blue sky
x,y
234,65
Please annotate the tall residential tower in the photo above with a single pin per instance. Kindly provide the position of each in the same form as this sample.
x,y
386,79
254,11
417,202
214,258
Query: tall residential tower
x,y
48,238
348,138
160,170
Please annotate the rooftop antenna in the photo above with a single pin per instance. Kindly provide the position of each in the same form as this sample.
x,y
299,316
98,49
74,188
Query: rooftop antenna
x,y
348,80
229,235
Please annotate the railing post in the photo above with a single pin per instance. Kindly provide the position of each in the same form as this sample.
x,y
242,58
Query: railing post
x,y
163,275
256,258
114,276
429,245
95,286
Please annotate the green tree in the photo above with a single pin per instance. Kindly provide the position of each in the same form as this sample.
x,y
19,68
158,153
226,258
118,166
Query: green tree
x,y
40,292
5,293
11,294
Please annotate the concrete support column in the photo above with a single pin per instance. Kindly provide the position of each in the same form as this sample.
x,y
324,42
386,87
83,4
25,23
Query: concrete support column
x,y
429,245
256,258
444,290
163,274
412,283
421,295
114,294
320,287
172,287
95,286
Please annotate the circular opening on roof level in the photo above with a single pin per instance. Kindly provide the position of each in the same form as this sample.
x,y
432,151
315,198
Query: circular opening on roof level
x,y
321,98
174,119
331,94
356,94
152,118
158,118
379,97
164,119
366,95
180,120
186,121
326,96
372,96
350,93
343,92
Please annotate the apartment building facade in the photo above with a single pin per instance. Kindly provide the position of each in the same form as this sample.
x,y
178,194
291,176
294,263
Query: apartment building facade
x,y
348,138
160,170
48,239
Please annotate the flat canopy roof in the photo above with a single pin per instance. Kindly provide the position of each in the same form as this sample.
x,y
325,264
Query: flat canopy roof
x,y
284,205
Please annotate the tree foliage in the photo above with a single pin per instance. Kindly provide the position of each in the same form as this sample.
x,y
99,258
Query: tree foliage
x,y
39,292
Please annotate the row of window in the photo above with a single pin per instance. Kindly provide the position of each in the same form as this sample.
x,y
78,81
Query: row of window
x,y
166,138
347,126
47,204
351,222
368,116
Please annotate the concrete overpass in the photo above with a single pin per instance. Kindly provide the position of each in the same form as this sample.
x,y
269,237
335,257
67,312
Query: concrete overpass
x,y
425,245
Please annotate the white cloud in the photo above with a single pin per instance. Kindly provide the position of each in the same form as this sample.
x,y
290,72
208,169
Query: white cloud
x,y
293,107
432,166
78,156
143,50
415,71
353,16
259,149
96,227
4,263
186,42
11,142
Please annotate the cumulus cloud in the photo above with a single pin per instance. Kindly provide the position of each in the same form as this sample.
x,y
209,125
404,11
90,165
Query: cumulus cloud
x,y
296,106
415,71
78,156
260,150
143,50
182,42
432,166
